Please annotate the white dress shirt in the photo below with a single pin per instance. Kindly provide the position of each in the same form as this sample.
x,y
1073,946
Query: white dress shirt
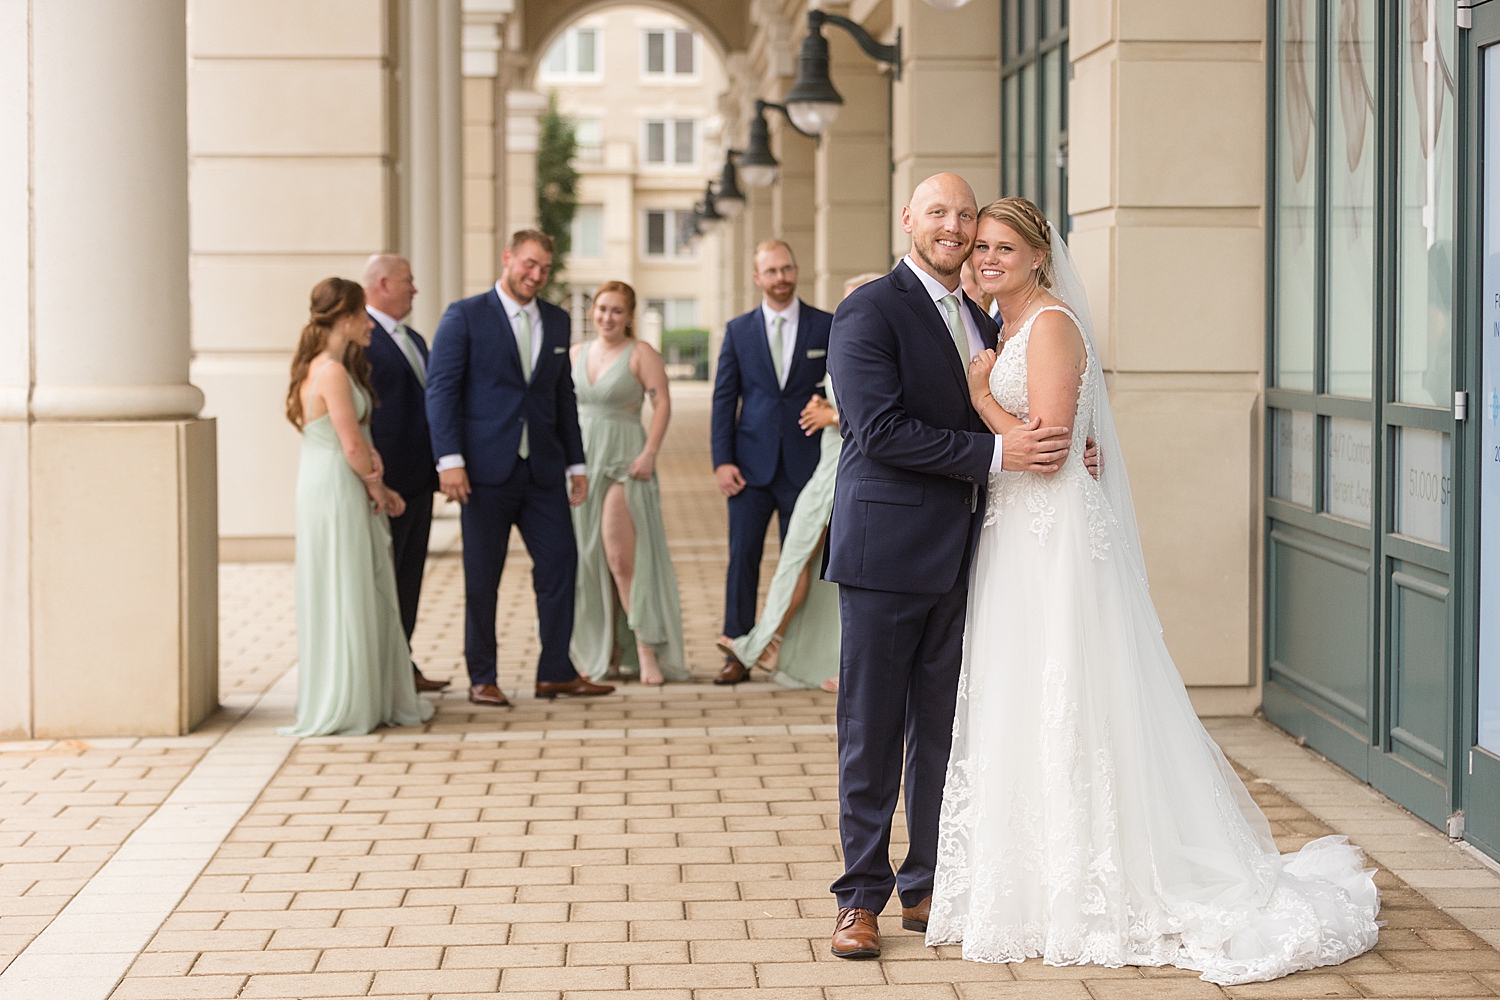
x,y
392,326
513,311
976,343
788,332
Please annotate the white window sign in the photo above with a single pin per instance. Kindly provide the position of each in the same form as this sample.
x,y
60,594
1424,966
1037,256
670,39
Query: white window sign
x,y
1489,415
1347,461
1424,467
1293,479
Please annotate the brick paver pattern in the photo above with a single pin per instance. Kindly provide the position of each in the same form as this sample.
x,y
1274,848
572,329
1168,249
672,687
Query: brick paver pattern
x,y
680,851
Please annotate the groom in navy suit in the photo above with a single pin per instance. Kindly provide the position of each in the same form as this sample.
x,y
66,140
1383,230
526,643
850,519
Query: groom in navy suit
x,y
771,364
398,374
504,425
908,505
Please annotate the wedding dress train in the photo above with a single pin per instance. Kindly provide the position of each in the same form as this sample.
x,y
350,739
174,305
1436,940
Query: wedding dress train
x,y
1088,817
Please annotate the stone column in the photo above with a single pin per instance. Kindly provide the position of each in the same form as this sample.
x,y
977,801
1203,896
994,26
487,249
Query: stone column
x,y
852,177
424,158
449,281
522,109
1172,248
110,526
947,103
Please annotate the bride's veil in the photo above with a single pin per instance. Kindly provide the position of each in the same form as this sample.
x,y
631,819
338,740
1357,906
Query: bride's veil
x,y
1067,287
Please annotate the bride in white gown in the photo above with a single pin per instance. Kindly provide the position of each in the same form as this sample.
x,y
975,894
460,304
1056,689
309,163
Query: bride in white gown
x,y
1088,817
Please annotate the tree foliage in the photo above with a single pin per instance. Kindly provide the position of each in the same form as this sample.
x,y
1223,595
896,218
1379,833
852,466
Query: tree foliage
x,y
556,189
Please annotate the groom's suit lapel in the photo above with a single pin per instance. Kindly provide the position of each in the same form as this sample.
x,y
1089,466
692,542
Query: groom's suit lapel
x,y
508,345
926,312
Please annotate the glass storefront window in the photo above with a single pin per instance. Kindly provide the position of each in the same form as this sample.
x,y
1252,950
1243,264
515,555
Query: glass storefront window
x,y
1351,201
1293,457
1488,414
1346,468
1426,210
1296,191
1034,75
1424,483
1052,82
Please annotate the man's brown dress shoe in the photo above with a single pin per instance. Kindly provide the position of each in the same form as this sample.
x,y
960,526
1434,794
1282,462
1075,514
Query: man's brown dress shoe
x,y
856,934
426,683
579,686
733,673
914,918
488,694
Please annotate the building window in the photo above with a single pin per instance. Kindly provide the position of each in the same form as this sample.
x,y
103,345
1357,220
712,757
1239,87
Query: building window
x,y
589,134
676,314
665,235
588,232
575,56
671,142
1034,73
669,53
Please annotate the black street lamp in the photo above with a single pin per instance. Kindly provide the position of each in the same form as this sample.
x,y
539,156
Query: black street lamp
x,y
757,162
813,104
730,200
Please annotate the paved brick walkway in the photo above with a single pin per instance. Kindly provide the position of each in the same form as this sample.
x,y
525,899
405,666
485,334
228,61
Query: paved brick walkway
x,y
675,843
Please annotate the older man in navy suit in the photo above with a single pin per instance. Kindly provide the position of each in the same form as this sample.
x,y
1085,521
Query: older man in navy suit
x,y
398,374
771,364
504,422
907,510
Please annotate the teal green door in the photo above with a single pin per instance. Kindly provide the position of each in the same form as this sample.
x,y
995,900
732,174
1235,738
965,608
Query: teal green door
x,y
1479,705
1362,277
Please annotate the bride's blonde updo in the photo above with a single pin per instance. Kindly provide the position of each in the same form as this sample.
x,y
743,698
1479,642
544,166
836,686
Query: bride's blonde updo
x,y
1022,215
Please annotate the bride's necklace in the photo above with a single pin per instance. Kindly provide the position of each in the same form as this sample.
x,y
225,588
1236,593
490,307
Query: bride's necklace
x,y
1006,339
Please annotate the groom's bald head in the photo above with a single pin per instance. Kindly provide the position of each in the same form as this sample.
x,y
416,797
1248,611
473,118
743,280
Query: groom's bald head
x,y
942,218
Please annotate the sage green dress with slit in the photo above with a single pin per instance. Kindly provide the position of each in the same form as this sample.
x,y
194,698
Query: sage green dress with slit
x,y
810,645
353,663
609,414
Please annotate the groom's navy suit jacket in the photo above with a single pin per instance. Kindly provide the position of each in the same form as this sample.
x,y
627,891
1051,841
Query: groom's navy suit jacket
x,y
909,498
754,417
477,395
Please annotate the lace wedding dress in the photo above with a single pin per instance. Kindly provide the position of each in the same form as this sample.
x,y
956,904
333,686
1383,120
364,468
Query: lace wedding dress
x,y
1088,818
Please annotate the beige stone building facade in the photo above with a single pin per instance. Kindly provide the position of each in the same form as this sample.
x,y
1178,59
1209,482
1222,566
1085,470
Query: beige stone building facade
x,y
163,226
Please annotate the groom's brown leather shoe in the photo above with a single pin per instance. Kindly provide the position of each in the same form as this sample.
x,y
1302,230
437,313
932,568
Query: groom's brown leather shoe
x,y
855,934
488,694
914,918
578,686
733,672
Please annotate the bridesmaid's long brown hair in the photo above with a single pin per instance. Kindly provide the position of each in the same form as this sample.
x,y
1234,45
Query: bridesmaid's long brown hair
x,y
332,300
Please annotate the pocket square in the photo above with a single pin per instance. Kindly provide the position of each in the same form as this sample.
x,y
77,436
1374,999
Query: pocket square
x,y
817,354
559,350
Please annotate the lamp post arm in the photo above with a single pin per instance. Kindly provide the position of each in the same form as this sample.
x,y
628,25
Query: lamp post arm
x,y
890,54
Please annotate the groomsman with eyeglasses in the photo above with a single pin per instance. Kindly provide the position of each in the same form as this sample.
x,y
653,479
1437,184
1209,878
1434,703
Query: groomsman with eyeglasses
x,y
398,374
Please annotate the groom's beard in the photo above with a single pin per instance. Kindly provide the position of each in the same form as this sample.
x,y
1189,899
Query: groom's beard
x,y
947,272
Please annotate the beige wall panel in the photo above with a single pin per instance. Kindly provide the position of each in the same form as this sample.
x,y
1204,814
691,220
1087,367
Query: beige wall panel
x,y
942,109
1191,20
286,28
111,646
254,303
479,150
969,32
1190,457
15,212
1189,133
1090,26
479,100
246,108
15,574
199,677
479,203
982,173
259,448
1091,137
288,206
1189,300
480,270
855,170
1093,255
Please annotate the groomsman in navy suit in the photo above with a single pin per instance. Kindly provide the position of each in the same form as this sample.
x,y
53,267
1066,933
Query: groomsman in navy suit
x,y
771,364
504,422
398,374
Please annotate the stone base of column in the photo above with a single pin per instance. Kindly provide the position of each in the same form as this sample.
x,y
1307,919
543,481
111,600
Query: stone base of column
x,y
122,586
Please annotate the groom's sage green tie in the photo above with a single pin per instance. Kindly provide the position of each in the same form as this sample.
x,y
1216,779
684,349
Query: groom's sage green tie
x,y
409,348
523,341
778,325
956,329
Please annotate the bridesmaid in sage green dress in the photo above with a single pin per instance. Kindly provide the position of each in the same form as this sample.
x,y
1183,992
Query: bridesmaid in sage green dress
x,y
627,613
353,664
797,634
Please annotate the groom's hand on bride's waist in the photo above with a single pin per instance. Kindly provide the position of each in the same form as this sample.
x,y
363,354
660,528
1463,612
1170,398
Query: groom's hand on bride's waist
x,y
1091,458
1034,448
